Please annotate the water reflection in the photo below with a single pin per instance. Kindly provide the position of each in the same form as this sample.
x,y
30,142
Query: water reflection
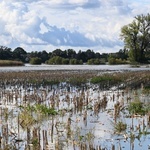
x,y
28,67
86,118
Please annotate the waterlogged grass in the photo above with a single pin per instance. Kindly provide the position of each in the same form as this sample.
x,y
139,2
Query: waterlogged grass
x,y
31,115
26,119
46,77
146,90
40,108
107,80
99,79
84,111
129,79
120,126
44,81
77,80
10,63
137,107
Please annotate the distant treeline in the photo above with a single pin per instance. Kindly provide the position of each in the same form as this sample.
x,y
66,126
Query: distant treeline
x,y
59,56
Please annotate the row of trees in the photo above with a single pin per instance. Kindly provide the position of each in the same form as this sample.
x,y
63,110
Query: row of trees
x,y
59,56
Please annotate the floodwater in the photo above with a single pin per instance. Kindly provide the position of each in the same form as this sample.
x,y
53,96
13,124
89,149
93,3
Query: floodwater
x,y
79,122
29,67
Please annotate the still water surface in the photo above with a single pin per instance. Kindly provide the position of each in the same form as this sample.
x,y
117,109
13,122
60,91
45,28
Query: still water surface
x,y
29,67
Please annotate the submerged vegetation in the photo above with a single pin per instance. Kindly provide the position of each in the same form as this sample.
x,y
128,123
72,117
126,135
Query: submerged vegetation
x,y
37,78
107,80
120,126
74,110
31,115
136,107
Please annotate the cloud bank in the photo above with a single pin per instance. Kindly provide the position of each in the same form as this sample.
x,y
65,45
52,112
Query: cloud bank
x,y
78,24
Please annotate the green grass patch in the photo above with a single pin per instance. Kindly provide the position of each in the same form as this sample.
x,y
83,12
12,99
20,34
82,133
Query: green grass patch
x,y
77,80
106,78
146,90
39,108
138,107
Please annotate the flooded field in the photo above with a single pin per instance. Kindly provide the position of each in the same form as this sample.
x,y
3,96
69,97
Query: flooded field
x,y
76,110
29,67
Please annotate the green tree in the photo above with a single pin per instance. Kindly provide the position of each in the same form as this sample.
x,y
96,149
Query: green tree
x,y
111,60
90,54
43,55
74,61
70,53
81,56
90,62
35,61
136,37
34,54
20,54
65,61
94,61
57,52
5,53
55,60
123,54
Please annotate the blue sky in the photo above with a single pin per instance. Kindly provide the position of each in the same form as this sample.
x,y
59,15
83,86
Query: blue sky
x,y
37,25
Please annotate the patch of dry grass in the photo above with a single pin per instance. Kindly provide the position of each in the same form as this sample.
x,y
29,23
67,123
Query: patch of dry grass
x,y
10,63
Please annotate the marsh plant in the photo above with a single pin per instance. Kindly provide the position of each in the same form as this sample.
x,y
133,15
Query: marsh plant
x,y
120,126
40,108
34,114
137,107
146,90
26,119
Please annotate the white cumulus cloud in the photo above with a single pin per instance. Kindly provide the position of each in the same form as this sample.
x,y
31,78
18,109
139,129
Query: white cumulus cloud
x,y
77,24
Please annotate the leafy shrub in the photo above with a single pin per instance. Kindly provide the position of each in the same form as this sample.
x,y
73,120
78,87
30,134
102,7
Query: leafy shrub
x,y
57,60
95,61
75,61
115,61
35,61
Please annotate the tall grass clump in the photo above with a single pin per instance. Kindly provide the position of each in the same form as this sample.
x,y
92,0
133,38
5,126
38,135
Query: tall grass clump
x,y
137,107
32,114
99,79
106,78
39,108
120,126
77,80
10,63
146,90
116,61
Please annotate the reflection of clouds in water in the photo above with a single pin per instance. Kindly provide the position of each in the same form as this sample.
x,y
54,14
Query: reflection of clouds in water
x,y
74,67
